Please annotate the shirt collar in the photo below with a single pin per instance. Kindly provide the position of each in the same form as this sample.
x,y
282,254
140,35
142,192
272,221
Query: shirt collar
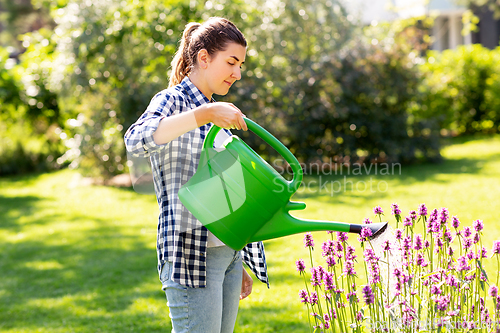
x,y
194,93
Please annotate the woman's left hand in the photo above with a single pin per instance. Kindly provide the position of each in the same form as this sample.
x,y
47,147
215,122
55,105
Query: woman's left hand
x,y
246,285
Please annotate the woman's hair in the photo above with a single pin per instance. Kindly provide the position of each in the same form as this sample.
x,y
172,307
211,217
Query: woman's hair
x,y
213,35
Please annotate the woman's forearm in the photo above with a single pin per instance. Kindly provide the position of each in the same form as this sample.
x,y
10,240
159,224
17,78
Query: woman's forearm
x,y
172,127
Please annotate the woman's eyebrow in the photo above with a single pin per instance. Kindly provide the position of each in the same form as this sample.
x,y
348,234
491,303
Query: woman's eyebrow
x,y
236,58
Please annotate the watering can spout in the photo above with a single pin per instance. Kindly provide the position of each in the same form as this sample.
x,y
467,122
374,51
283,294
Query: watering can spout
x,y
283,224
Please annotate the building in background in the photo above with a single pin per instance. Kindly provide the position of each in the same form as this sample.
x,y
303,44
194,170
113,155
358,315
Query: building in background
x,y
448,26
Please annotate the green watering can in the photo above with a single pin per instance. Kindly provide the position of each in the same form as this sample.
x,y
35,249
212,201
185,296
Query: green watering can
x,y
241,199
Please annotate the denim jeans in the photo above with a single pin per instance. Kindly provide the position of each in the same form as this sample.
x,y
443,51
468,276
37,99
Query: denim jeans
x,y
212,309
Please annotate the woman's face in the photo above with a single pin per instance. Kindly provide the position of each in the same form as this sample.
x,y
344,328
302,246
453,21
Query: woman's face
x,y
223,69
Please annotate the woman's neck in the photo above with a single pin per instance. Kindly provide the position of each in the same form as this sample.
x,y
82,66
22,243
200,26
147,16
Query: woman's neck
x,y
200,83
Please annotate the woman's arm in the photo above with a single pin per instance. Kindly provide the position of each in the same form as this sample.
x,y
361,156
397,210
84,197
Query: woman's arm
x,y
222,114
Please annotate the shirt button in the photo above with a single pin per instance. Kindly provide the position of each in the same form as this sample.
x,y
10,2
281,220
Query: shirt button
x,y
202,254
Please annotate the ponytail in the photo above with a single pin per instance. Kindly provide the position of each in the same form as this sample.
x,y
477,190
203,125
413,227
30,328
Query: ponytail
x,y
181,64
213,35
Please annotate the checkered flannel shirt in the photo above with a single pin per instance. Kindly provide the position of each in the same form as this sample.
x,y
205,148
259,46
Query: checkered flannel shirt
x,y
182,239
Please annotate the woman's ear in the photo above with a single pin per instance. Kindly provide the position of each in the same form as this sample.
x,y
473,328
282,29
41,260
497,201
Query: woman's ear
x,y
203,58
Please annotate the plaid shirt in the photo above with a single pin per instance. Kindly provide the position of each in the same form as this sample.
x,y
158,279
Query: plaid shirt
x,y
182,239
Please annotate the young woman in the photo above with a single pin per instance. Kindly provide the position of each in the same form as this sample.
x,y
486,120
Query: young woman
x,y
203,279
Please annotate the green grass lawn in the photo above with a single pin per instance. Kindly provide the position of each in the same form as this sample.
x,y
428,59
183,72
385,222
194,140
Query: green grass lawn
x,y
77,258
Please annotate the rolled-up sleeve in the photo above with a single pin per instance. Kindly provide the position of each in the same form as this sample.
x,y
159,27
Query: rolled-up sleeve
x,y
139,139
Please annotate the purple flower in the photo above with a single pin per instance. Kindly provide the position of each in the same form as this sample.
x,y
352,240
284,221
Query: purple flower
x,y
370,255
386,246
471,255
483,253
378,210
314,298
349,268
452,281
430,225
407,222
374,273
455,222
330,261
426,244
476,238
462,264
496,247
420,261
342,236
493,291
308,240
367,221
300,265
395,209
316,276
398,233
328,248
418,243
467,243
366,233
439,242
328,281
470,277
467,232
443,302
422,210
407,243
434,214
339,247
435,290
443,216
478,225
368,295
303,296
349,255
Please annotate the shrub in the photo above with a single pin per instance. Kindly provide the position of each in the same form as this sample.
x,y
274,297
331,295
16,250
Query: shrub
x,y
334,92
28,141
461,90
319,88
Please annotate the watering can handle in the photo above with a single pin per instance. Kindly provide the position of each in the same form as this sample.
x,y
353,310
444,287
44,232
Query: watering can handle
x,y
272,141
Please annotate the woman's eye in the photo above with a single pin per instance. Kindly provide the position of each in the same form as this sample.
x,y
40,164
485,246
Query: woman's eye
x,y
231,64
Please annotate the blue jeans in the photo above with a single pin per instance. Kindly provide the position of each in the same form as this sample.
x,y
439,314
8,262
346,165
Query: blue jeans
x,y
212,309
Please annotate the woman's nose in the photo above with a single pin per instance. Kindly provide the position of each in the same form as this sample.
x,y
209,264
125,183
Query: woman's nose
x,y
237,73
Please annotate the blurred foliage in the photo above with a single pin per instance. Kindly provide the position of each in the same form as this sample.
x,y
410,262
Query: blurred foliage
x,y
333,92
461,90
492,5
113,56
27,143
19,17
327,87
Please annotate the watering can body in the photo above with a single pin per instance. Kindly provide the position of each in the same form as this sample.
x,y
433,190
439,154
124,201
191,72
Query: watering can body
x,y
241,199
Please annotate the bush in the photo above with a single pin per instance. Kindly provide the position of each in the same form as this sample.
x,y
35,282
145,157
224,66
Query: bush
x,y
461,90
334,92
27,140
320,89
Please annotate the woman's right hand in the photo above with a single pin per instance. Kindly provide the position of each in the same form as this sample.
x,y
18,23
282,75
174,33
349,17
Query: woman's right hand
x,y
226,115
